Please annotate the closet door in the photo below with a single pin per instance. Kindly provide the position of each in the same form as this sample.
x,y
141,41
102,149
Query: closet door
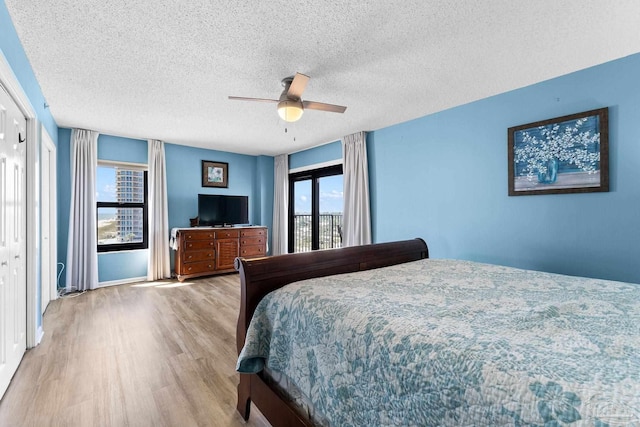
x,y
13,290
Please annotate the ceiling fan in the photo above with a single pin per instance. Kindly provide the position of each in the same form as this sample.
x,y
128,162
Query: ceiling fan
x,y
290,104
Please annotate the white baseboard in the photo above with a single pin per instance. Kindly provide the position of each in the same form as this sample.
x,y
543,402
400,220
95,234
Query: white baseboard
x,y
122,281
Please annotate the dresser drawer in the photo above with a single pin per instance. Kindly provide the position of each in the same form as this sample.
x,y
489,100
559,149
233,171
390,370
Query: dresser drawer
x,y
198,234
253,232
195,245
257,240
252,250
198,267
193,256
227,234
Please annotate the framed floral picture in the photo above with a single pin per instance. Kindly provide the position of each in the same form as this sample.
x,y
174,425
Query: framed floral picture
x,y
215,174
568,154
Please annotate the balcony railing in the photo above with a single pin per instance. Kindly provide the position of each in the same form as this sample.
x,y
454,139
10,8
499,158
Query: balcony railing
x,y
330,230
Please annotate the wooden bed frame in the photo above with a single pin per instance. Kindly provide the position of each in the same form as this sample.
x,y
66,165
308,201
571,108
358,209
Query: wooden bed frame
x,y
259,276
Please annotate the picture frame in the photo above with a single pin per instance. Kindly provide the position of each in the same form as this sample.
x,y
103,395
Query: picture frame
x,y
215,174
568,154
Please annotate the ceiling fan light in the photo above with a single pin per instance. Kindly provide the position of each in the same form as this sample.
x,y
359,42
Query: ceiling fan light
x,y
290,111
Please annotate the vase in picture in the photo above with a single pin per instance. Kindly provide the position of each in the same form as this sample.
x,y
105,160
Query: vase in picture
x,y
550,174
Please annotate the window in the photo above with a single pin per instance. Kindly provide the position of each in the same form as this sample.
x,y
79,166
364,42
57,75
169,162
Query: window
x,y
122,206
315,209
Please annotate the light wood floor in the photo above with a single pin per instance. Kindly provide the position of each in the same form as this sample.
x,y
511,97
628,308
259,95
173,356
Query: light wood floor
x,y
152,354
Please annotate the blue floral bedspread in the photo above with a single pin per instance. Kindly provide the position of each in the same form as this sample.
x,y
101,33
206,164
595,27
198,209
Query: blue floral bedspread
x,y
456,343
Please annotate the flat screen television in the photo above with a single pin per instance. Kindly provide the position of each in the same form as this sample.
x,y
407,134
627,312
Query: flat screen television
x,y
218,210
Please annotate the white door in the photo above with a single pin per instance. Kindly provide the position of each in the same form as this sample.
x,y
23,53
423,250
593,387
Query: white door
x,y
13,290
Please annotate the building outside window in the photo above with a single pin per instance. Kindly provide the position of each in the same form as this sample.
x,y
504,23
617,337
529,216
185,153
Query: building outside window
x,y
122,206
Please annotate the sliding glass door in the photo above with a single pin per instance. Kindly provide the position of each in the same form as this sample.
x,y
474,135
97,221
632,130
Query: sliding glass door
x,y
315,209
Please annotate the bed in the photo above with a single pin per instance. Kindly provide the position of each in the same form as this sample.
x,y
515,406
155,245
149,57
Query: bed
x,y
382,335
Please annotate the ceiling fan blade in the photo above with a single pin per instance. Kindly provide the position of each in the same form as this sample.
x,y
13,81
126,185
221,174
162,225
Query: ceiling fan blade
x,y
241,98
298,85
312,105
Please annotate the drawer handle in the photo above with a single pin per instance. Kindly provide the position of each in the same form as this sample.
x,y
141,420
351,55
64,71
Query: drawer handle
x,y
190,256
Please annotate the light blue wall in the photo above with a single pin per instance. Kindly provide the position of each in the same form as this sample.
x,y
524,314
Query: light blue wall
x,y
263,191
184,181
11,49
443,177
120,149
313,156
125,265
248,176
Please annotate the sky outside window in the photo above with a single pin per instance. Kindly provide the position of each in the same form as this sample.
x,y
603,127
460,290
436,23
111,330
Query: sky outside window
x,y
330,195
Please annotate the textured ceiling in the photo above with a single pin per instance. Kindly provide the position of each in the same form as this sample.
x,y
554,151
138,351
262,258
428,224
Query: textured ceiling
x,y
163,69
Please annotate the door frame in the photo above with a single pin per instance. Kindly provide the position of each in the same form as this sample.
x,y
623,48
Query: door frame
x,y
13,87
47,145
313,175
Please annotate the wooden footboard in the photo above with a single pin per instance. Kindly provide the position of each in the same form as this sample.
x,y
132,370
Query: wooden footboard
x,y
260,276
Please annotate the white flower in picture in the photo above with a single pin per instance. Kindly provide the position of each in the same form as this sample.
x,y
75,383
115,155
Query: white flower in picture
x,y
540,148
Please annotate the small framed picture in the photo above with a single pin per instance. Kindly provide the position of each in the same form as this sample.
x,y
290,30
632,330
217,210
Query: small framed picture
x,y
568,154
215,174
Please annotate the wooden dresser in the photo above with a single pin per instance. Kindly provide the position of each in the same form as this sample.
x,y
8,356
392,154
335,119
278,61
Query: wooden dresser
x,y
207,251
